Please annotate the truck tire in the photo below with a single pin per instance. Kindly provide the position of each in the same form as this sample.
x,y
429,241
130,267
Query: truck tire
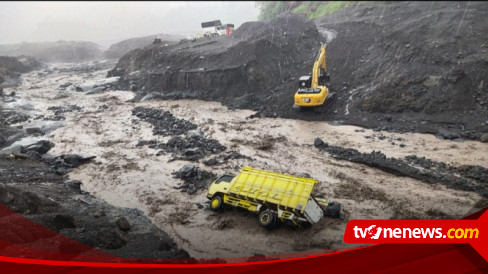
x,y
216,203
333,210
266,219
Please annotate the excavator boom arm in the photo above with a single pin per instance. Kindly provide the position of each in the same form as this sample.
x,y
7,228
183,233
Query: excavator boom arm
x,y
320,63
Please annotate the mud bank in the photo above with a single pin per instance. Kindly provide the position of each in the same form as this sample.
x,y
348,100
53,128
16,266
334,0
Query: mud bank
x,y
34,190
466,177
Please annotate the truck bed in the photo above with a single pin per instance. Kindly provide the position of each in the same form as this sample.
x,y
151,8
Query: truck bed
x,y
264,186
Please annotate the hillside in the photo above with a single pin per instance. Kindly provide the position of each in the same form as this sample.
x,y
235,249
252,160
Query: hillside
x,y
117,50
59,51
309,9
12,67
400,66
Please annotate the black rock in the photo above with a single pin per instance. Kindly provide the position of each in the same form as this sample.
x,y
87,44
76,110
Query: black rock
x,y
64,221
191,189
194,178
123,224
186,169
192,151
318,142
62,171
41,147
34,130
75,160
210,162
304,175
165,245
108,239
484,138
6,197
446,134
74,184
63,109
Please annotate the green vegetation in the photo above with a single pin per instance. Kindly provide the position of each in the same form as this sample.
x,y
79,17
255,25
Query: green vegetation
x,y
310,9
304,7
269,9
328,8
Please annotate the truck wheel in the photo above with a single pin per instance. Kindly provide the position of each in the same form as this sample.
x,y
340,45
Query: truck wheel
x,y
216,203
266,219
333,210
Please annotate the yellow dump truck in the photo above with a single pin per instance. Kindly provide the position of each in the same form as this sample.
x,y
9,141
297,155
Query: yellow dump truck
x,y
273,196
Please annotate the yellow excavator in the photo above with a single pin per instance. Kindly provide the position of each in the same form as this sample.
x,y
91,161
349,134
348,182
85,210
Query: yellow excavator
x,y
312,91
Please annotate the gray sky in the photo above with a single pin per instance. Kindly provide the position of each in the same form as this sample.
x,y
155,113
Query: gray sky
x,y
108,22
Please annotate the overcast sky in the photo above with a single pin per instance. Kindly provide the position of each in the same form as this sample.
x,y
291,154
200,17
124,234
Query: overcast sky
x,y
108,22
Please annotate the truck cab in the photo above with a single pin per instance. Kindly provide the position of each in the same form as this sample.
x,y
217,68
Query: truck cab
x,y
220,185
210,28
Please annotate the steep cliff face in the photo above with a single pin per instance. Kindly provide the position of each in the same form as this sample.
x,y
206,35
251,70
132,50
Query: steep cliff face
x,y
256,59
411,57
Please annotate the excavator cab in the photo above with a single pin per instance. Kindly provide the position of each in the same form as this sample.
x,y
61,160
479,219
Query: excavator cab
x,y
304,82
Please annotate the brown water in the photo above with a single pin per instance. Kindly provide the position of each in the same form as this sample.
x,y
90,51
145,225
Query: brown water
x,y
130,176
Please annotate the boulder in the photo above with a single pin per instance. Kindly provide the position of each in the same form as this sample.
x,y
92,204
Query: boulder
x,y
41,147
75,160
484,138
446,134
318,142
187,169
123,224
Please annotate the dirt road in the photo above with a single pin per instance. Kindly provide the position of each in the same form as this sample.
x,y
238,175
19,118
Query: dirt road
x,y
130,175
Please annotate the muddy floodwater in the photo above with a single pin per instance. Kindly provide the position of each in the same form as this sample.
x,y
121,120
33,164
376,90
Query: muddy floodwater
x,y
133,176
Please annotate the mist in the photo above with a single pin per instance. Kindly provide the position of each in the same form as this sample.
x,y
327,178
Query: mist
x,y
109,22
